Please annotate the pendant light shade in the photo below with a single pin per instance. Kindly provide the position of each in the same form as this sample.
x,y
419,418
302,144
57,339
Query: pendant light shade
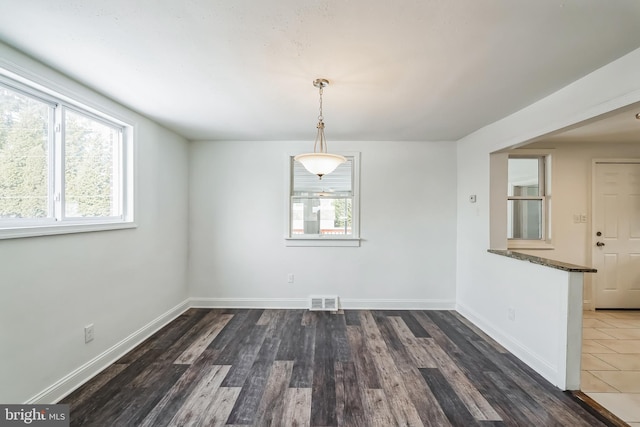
x,y
320,162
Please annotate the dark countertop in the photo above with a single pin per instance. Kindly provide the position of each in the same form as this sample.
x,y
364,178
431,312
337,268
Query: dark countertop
x,y
544,261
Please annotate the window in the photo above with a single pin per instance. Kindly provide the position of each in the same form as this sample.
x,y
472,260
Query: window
x,y
63,168
528,200
324,212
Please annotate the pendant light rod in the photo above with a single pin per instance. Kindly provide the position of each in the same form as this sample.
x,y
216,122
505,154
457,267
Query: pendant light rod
x,y
320,84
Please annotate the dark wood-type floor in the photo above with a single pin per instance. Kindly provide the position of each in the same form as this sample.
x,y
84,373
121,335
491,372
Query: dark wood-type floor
x,y
301,368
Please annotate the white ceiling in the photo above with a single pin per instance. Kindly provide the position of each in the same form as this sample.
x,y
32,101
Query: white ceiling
x,y
399,70
618,126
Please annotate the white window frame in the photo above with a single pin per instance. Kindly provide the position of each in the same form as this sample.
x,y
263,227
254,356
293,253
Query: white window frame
x,y
57,222
325,240
544,183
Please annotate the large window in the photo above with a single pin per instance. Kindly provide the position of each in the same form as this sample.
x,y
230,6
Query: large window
x,y
528,201
61,165
324,209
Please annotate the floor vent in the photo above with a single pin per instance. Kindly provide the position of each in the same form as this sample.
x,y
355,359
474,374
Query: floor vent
x,y
323,303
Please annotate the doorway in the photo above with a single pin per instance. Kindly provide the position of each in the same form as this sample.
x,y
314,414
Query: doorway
x,y
616,234
611,338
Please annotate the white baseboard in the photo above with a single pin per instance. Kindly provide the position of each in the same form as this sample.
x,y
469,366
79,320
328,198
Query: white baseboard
x,y
345,303
84,373
396,304
273,303
522,352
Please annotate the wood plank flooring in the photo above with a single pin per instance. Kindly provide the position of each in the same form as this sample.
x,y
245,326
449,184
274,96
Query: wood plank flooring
x,y
213,367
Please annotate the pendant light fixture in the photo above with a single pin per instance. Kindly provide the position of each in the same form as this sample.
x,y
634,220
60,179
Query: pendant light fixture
x,y
320,162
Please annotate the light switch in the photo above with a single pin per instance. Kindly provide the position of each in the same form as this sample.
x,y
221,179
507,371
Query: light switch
x,y
472,198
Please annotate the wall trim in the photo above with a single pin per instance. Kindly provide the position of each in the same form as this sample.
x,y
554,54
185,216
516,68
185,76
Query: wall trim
x,y
345,303
397,304
273,303
522,352
84,373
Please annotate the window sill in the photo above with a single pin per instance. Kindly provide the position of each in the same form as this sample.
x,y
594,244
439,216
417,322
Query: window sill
x,y
50,230
530,244
322,242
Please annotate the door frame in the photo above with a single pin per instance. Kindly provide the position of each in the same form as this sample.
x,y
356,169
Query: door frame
x,y
590,304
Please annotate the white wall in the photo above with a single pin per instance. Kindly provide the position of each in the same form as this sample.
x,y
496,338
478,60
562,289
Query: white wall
x,y
481,288
123,280
238,224
52,286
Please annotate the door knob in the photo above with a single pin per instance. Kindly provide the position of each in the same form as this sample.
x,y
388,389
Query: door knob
x,y
599,244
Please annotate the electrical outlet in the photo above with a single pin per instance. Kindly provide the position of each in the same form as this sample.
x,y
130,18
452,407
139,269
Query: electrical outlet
x,y
583,218
290,278
88,333
511,314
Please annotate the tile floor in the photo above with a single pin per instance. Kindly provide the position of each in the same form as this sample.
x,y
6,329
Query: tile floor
x,y
611,361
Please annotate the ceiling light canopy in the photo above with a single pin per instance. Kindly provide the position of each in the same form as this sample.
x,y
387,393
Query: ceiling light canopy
x,y
320,162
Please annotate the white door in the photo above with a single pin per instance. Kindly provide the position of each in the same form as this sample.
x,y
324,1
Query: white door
x,y
616,235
